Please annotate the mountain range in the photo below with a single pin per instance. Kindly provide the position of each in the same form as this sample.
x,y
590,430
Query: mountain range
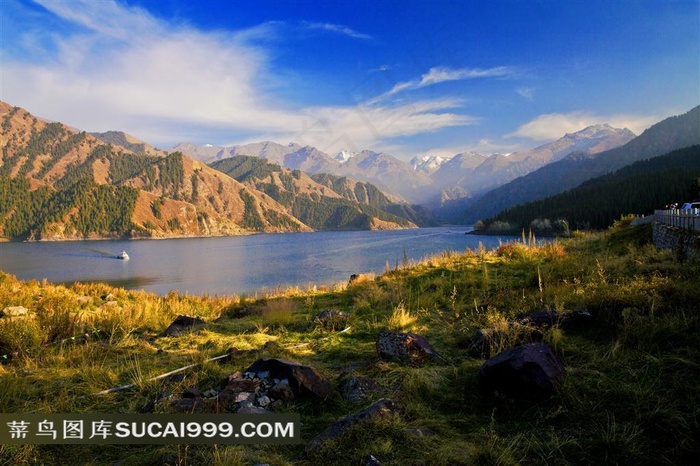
x,y
441,183
57,183
51,175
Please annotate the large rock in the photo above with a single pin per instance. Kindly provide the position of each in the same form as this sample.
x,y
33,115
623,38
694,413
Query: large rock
x,y
409,348
303,380
382,410
182,324
528,372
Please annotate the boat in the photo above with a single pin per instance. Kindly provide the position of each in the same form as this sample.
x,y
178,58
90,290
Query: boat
x,y
123,256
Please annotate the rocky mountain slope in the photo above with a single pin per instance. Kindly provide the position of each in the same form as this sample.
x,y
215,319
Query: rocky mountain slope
x,y
668,135
58,184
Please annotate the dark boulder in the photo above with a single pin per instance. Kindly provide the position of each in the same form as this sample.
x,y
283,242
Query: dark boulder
x,y
303,380
182,324
528,372
382,410
409,348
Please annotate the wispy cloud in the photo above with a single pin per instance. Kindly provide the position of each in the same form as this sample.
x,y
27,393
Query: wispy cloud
x,y
526,92
439,75
338,29
554,125
119,67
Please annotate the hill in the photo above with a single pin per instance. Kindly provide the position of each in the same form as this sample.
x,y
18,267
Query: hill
x,y
636,189
60,184
663,137
323,202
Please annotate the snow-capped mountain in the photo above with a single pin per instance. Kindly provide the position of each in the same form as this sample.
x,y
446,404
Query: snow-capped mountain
x,y
428,164
344,156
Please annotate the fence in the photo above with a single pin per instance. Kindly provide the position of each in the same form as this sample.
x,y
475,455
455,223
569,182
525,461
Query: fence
x,y
685,219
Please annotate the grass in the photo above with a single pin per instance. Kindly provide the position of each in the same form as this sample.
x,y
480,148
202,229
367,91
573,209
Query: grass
x,y
631,393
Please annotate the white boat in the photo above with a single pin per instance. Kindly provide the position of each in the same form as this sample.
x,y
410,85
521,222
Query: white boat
x,y
123,256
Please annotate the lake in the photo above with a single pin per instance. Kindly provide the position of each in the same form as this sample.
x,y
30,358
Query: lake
x,y
232,265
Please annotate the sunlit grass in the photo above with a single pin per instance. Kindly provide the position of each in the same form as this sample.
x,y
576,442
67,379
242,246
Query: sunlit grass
x,y
630,393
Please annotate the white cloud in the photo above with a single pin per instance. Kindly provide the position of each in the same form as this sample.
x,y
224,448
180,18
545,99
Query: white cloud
x,y
554,125
123,69
338,29
438,75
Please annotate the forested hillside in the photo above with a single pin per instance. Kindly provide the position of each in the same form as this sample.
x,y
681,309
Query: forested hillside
x,y
57,184
637,189
670,134
324,202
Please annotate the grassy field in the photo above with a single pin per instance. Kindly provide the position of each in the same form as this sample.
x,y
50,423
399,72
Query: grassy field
x,y
630,394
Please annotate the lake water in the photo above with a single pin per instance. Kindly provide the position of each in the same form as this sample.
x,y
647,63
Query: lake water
x,y
232,265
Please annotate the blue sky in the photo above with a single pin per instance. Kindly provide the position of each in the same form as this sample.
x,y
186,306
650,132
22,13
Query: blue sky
x,y
406,77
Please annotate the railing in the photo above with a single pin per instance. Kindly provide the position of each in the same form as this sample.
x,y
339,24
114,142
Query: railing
x,y
685,219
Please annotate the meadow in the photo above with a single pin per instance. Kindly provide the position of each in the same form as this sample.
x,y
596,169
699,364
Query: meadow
x,y
630,393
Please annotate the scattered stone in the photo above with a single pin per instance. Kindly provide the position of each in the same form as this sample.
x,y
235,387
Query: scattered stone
x,y
263,401
181,325
371,460
382,410
409,348
303,380
211,393
527,372
358,388
330,319
281,391
14,311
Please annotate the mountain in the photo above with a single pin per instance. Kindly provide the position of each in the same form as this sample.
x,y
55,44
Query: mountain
x,y
428,164
292,156
668,135
638,188
477,174
121,139
383,170
322,201
57,183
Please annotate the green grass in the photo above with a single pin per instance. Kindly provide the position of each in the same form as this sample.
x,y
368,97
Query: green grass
x,y
630,395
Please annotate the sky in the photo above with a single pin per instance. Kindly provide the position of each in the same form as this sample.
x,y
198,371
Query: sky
x,y
405,77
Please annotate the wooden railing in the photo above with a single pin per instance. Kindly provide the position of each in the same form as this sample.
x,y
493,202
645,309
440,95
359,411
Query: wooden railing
x,y
686,219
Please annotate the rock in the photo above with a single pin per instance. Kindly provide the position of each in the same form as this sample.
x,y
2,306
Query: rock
x,y
264,401
358,388
181,325
192,393
281,391
330,319
409,348
303,380
371,460
14,311
382,410
528,372
543,318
